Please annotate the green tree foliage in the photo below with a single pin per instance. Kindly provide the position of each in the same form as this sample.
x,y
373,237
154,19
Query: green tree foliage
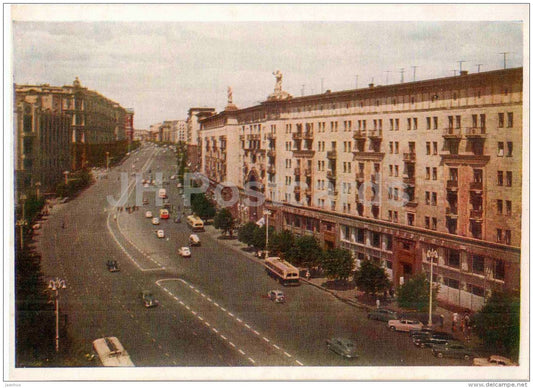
x,y
224,220
77,181
306,252
414,294
337,263
497,324
279,244
246,233
201,206
371,278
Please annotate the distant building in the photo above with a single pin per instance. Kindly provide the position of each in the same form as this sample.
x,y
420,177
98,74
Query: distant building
x,y
141,134
389,173
194,146
128,126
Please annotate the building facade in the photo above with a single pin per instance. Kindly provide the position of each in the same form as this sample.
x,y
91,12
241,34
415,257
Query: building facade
x,y
389,172
194,146
128,126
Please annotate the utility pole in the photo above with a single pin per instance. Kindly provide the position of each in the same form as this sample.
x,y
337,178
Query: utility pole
x,y
505,59
402,70
414,72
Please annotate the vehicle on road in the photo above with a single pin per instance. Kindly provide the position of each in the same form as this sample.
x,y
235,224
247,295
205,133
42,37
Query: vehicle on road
x,y
453,350
160,233
155,221
281,270
184,252
435,338
162,193
148,214
172,177
493,361
195,223
276,296
404,324
194,240
164,214
425,331
148,299
177,220
112,266
384,315
111,352
342,346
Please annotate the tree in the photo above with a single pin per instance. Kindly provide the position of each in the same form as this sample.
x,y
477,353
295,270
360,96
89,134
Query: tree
x,y
201,206
371,278
414,294
337,263
246,233
497,324
259,237
224,221
306,252
280,243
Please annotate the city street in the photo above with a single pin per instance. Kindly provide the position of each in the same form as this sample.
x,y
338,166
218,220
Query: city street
x,y
213,307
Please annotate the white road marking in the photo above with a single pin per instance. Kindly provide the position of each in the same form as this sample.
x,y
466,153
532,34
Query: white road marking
x,y
287,354
251,359
215,330
298,362
255,332
223,337
266,339
241,352
276,346
246,325
232,344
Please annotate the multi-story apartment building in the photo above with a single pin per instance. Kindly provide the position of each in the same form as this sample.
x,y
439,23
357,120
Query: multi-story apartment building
x,y
194,146
128,127
98,124
43,136
389,172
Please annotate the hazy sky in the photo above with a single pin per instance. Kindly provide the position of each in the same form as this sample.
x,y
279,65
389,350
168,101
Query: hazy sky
x,y
161,69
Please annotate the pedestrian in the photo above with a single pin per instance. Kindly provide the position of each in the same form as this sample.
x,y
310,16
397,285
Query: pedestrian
x,y
377,303
463,326
455,320
307,275
441,321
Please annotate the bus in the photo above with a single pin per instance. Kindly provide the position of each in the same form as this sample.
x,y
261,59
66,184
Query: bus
x,y
164,214
111,352
282,271
195,223
162,193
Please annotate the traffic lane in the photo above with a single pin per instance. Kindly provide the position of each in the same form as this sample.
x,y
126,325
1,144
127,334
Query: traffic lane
x,y
228,327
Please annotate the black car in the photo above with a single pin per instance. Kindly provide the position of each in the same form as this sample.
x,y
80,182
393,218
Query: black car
x,y
384,315
436,338
112,266
421,332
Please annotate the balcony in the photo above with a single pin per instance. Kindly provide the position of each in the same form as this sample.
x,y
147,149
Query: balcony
x,y
358,135
308,191
297,190
297,136
303,153
476,215
452,133
474,132
271,153
241,137
331,154
255,137
451,212
271,136
307,172
331,175
374,178
412,203
360,177
452,185
308,134
409,180
476,186
297,171
409,157
271,170
375,135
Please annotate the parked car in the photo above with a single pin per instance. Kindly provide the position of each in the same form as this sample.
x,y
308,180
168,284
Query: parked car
x,y
155,221
453,349
160,233
384,315
404,324
435,338
276,296
112,266
148,214
493,361
148,299
425,331
342,346
184,252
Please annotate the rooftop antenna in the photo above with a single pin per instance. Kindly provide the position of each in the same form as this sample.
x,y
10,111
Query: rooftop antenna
x,y
303,90
479,67
454,72
505,59
356,80
414,72
401,72
321,85
387,82
460,66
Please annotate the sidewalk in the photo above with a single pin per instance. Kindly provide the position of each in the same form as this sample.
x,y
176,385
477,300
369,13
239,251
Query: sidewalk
x,y
348,293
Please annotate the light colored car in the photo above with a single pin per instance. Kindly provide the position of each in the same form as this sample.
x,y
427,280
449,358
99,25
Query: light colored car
x,y
276,296
172,177
184,252
160,233
148,214
493,361
404,324
155,221
194,240
342,346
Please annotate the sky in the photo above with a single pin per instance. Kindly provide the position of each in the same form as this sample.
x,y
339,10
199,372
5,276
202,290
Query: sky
x,y
162,68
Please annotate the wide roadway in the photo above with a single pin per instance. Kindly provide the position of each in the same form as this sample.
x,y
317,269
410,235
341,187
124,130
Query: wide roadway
x,y
213,310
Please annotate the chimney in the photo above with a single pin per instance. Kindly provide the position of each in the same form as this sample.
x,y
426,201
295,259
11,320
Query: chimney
x,y
464,72
371,85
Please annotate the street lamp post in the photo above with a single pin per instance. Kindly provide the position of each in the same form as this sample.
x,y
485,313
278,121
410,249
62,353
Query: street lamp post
x,y
22,222
65,173
431,254
266,213
107,160
37,189
56,285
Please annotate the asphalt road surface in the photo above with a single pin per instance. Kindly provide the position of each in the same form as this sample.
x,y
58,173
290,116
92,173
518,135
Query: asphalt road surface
x,y
213,308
